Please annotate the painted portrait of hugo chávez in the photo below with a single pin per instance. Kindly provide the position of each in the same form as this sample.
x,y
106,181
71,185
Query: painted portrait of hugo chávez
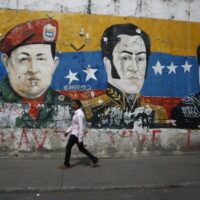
x,y
28,53
125,53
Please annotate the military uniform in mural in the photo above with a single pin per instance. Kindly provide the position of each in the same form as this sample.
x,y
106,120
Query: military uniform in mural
x,y
117,110
37,113
28,54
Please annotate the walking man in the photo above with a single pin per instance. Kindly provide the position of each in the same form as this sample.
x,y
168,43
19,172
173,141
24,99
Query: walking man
x,y
76,131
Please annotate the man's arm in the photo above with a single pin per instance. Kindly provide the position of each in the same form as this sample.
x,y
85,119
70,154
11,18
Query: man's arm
x,y
68,130
81,128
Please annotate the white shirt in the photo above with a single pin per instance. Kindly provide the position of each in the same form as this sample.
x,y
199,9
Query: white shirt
x,y
77,125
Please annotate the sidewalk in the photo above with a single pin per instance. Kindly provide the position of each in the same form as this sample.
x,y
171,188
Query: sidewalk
x,y
152,172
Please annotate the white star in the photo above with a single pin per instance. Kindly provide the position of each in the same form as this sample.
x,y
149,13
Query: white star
x,y
72,76
172,68
90,73
186,67
158,68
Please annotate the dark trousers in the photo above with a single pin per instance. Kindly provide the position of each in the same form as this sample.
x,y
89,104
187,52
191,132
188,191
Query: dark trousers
x,y
74,140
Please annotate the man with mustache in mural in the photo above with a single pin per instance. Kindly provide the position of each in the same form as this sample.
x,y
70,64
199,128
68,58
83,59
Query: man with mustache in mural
x,y
187,113
125,51
29,56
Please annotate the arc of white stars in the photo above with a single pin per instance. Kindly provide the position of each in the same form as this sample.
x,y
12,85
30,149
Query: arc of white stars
x,y
90,73
158,68
186,67
72,76
172,68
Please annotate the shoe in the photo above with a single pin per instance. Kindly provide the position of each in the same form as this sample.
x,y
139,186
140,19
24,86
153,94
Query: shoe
x,y
95,162
64,167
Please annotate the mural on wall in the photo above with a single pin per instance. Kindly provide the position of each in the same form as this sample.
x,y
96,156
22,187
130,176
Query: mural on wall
x,y
125,54
28,54
187,113
127,73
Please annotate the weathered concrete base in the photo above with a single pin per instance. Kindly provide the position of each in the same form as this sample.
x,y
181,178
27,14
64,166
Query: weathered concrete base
x,y
102,142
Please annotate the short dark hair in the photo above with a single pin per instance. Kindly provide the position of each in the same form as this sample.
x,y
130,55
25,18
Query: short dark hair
x,y
53,49
110,39
78,102
198,54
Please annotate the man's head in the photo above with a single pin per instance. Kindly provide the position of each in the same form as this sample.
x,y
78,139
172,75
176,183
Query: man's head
x,y
28,53
76,104
125,50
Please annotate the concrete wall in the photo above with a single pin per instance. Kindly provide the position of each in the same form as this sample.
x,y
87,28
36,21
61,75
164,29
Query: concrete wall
x,y
163,115
103,142
186,10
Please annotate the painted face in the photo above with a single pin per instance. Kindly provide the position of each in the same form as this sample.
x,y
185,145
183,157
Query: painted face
x,y
30,69
129,59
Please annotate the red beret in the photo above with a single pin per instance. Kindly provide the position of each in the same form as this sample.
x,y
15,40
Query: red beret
x,y
31,32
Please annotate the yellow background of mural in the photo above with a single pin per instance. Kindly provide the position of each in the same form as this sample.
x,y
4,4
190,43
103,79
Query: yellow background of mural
x,y
167,36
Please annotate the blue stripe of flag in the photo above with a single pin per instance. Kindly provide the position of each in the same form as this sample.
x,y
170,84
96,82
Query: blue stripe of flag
x,y
168,85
